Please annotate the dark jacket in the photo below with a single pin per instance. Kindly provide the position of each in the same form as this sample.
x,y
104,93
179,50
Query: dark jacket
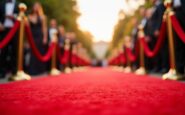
x,y
157,18
2,10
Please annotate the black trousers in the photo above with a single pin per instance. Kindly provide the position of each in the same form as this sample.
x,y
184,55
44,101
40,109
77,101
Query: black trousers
x,y
8,55
179,45
70,56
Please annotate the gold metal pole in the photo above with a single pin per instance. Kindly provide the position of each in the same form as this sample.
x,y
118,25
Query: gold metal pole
x,y
75,52
141,70
127,69
172,74
67,69
20,45
20,75
54,71
121,66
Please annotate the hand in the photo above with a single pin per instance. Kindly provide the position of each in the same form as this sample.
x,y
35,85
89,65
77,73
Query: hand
x,y
45,40
156,33
128,44
1,27
26,45
148,39
10,17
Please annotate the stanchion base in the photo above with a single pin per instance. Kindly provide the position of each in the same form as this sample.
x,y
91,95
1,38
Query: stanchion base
x,y
67,70
172,75
127,70
120,69
55,71
75,69
19,76
140,71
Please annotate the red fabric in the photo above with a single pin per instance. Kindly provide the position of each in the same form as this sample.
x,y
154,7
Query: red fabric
x,y
74,59
122,58
65,57
114,61
77,60
151,53
10,35
130,55
43,58
178,28
95,91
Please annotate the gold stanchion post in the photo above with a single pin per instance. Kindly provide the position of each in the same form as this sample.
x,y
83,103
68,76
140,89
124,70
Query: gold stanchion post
x,y
20,75
141,70
120,66
54,71
67,69
127,69
74,52
172,74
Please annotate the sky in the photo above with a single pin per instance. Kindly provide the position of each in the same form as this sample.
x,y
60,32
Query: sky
x,y
100,16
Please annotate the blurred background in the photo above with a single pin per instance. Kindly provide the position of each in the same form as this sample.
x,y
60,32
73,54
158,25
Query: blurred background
x,y
99,24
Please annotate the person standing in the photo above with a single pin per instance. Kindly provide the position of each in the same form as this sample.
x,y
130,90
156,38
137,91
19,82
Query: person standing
x,y
156,20
179,8
134,38
62,37
8,55
61,34
38,25
73,42
53,29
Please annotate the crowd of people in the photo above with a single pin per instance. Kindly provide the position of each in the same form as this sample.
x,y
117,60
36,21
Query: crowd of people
x,y
42,35
151,21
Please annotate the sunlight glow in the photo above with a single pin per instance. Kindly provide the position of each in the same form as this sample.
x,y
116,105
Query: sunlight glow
x,y
100,16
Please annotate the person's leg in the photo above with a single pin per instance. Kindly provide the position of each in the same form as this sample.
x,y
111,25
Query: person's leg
x,y
165,57
179,45
4,56
13,51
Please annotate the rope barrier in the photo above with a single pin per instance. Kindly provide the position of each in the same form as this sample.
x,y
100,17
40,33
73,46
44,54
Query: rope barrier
x,y
74,59
63,58
43,58
178,29
122,58
10,35
151,53
133,56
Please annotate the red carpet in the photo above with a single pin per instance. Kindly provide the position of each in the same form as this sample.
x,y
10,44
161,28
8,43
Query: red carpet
x,y
93,92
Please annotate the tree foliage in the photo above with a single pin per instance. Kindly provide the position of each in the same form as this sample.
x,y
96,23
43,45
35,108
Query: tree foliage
x,y
66,13
124,28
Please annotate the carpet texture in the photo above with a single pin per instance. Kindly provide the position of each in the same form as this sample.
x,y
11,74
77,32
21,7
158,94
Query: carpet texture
x,y
96,91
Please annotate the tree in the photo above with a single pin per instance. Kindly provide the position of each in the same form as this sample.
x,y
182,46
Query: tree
x,y
66,13
124,28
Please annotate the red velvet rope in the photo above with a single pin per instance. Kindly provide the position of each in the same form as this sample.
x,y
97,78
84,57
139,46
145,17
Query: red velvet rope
x,y
122,58
10,35
74,59
63,58
178,28
77,60
133,56
43,58
130,55
117,61
151,53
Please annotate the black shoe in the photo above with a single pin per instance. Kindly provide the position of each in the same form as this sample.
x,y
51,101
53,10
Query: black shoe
x,y
2,75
